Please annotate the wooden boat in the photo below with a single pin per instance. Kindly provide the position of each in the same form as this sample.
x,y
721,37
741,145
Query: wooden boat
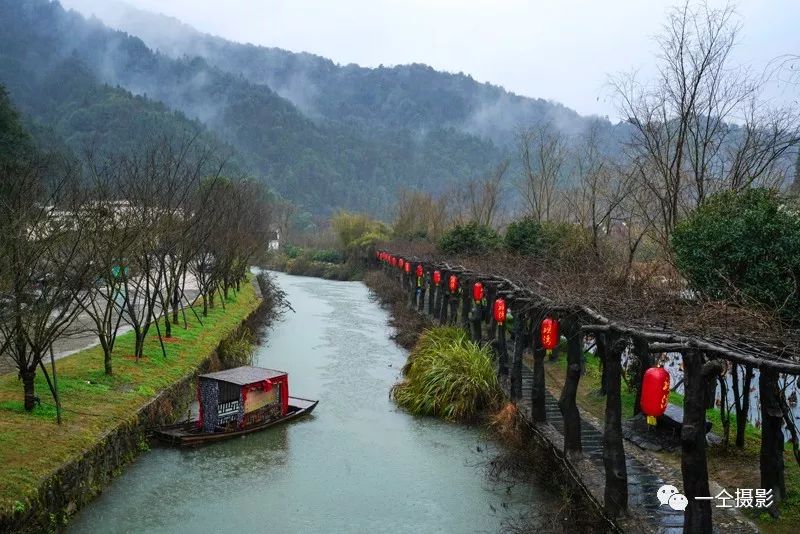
x,y
237,402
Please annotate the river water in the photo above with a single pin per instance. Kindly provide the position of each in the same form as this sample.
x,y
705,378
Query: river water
x,y
358,464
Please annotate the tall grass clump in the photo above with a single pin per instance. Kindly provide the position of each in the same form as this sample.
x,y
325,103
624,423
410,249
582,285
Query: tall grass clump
x,y
448,376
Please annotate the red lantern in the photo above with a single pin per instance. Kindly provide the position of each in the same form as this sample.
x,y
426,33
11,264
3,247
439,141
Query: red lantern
x,y
437,278
420,271
452,283
499,310
408,267
400,263
549,333
477,292
655,393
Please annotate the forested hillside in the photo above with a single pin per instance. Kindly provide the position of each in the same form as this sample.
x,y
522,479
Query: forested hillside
x,y
77,75
406,96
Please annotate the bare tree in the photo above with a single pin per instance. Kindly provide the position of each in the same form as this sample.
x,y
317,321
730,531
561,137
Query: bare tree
x,y
684,134
479,199
543,153
45,274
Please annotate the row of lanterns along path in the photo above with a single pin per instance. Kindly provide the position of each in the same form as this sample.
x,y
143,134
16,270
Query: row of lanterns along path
x,y
483,307
655,383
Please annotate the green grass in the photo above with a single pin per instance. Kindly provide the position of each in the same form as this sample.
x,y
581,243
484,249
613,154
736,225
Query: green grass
x,y
32,445
449,376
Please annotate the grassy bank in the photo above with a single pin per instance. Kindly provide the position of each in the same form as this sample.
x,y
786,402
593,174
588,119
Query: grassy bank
x,y
732,468
326,264
32,446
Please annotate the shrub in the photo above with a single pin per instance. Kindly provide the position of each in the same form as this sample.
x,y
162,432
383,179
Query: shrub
x,y
470,239
448,376
744,246
524,237
328,256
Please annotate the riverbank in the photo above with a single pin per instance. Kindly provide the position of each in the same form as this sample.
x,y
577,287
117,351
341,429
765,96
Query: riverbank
x,y
48,471
526,456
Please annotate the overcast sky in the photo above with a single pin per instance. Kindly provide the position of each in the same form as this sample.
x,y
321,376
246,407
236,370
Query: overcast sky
x,y
561,50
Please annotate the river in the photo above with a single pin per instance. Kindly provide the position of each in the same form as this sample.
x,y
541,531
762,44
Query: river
x,y
358,464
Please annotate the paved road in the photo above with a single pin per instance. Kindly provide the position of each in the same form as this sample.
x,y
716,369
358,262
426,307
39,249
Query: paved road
x,y
80,336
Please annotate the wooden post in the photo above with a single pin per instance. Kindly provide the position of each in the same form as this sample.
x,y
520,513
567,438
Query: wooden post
x,y
567,403
694,466
538,411
466,306
421,292
601,351
521,339
645,360
771,456
616,490
491,294
432,292
501,347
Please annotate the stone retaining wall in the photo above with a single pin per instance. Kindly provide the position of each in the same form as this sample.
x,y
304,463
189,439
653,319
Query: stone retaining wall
x,y
74,484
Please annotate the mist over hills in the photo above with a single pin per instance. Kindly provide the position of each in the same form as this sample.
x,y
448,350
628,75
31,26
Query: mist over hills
x,y
323,135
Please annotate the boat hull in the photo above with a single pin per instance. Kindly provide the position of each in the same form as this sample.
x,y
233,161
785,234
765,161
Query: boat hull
x,y
188,435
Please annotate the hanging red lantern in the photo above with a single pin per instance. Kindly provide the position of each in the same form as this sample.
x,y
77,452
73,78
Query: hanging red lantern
x,y
549,333
452,283
477,292
437,278
499,310
407,267
400,263
655,393
419,270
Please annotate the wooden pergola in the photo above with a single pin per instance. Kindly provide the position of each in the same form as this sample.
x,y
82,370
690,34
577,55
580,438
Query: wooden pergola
x,y
702,358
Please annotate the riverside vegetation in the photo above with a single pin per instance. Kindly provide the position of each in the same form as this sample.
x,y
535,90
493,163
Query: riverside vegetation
x,y
32,446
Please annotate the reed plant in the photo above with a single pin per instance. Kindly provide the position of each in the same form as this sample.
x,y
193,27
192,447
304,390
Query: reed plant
x,y
449,376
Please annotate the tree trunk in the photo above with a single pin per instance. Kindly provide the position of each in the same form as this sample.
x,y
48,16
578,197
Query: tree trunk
x,y
645,360
106,357
167,324
176,301
741,401
205,305
521,340
28,377
771,456
569,408
538,411
694,467
601,351
615,497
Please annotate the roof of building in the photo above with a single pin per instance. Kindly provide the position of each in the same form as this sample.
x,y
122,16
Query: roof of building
x,y
244,375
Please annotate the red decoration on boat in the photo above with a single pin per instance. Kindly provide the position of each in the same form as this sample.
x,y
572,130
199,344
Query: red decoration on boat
x,y
655,393
437,278
420,270
477,292
452,283
549,333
